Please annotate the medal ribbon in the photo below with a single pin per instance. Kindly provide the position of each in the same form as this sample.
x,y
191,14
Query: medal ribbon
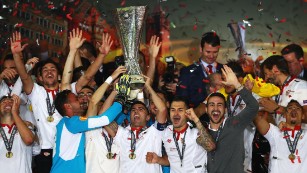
x,y
50,108
8,143
217,138
231,113
286,83
108,142
292,146
180,153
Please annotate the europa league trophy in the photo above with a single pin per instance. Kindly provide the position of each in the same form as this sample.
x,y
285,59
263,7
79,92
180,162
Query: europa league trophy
x,y
129,22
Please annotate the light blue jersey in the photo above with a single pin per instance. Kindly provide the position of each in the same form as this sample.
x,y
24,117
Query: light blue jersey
x,y
69,152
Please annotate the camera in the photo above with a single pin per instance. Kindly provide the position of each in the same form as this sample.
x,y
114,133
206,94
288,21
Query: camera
x,y
168,76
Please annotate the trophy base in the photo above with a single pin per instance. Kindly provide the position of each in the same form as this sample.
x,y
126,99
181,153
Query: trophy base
x,y
136,82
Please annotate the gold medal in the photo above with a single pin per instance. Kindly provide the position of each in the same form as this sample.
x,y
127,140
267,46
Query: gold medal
x,y
291,156
9,154
50,119
110,155
132,156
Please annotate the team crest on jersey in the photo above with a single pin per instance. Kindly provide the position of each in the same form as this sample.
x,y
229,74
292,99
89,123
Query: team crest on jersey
x,y
288,92
169,140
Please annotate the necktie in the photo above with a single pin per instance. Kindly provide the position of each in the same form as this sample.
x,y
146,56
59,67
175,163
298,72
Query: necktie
x,y
210,69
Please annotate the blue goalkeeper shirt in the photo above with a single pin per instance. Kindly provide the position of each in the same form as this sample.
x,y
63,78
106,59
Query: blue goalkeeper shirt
x,y
69,152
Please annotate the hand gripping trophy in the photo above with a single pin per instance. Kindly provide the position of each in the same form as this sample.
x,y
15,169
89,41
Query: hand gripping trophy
x,y
129,22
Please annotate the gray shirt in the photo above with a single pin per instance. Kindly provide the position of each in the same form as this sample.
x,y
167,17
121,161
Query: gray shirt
x,y
229,154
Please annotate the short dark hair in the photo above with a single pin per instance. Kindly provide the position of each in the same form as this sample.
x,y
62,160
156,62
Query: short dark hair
x,y
141,103
181,99
297,49
7,57
5,97
236,68
61,99
277,60
90,48
210,38
50,61
88,87
216,95
294,101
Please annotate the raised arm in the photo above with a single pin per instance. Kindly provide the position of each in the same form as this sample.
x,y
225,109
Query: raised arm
x,y
77,60
93,68
162,110
97,96
247,115
16,49
75,42
26,134
204,139
18,84
154,47
261,122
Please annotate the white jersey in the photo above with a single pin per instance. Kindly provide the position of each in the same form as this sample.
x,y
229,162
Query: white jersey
x,y
279,161
195,156
150,140
46,129
96,151
295,90
22,154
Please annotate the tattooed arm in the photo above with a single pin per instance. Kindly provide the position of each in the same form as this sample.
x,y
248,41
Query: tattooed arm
x,y
112,129
204,139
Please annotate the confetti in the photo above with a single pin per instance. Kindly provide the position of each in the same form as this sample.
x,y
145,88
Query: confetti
x,y
271,35
18,25
273,43
269,27
195,27
68,16
283,20
242,27
173,25
37,42
123,3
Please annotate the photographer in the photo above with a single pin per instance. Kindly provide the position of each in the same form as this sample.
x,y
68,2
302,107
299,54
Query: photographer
x,y
169,80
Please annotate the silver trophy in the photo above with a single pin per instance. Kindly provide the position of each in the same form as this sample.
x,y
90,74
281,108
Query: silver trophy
x,y
129,22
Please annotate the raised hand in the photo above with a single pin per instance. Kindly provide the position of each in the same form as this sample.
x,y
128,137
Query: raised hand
x,y
154,46
16,104
106,44
118,71
16,47
230,77
32,61
190,114
123,89
75,39
148,81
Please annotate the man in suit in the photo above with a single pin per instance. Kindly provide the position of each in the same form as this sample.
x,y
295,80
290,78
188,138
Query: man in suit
x,y
194,78
294,55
